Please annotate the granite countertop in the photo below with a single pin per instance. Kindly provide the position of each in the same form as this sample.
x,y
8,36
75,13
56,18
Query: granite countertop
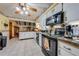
x,y
69,40
63,39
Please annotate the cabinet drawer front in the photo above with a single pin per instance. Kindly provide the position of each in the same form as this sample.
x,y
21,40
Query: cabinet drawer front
x,y
69,48
64,53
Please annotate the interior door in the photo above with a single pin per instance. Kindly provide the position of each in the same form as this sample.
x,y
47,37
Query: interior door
x,y
10,30
16,31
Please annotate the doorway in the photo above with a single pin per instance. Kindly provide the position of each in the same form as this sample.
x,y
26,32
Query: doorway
x,y
16,31
10,30
13,30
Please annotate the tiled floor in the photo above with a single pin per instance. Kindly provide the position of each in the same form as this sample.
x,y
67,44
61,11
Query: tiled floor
x,y
21,48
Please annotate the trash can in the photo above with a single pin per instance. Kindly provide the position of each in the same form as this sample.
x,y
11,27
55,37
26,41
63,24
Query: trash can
x,y
0,41
4,41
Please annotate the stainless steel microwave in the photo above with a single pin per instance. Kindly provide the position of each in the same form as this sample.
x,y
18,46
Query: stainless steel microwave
x,y
59,31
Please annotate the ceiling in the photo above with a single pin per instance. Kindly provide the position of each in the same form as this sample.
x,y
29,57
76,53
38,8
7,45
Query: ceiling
x,y
8,9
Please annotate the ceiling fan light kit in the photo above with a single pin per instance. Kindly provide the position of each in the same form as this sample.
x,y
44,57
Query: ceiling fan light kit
x,y
18,9
26,12
21,12
22,8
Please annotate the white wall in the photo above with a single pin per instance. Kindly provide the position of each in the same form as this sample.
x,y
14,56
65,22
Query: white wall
x,y
71,11
58,8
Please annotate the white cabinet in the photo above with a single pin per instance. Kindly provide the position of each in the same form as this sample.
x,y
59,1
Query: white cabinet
x,y
42,22
26,35
62,52
67,49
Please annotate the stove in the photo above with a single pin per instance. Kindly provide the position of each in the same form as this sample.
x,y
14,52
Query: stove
x,y
49,45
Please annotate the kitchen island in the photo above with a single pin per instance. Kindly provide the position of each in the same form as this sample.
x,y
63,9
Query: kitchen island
x,y
27,35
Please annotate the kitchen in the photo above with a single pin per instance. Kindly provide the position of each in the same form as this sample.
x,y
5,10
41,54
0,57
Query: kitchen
x,y
56,31
61,39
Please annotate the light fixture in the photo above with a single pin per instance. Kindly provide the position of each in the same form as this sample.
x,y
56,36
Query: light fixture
x,y
18,9
24,8
21,9
28,7
26,12
21,12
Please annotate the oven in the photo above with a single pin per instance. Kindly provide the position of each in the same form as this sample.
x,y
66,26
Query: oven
x,y
49,46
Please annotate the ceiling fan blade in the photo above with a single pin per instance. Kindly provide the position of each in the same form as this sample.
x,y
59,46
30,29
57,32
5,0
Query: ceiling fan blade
x,y
29,14
31,8
17,12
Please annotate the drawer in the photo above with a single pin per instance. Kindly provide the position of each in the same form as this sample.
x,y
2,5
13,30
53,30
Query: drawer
x,y
62,52
69,48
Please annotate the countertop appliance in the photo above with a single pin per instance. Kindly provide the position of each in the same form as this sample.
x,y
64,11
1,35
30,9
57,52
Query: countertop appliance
x,y
3,41
59,31
69,31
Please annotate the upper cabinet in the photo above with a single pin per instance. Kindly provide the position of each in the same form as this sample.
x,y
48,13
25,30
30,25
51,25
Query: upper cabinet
x,y
71,11
42,22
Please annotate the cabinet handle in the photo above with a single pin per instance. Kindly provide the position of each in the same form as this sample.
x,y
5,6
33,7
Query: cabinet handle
x,y
67,48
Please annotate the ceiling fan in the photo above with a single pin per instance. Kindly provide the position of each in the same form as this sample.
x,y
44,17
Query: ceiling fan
x,y
24,7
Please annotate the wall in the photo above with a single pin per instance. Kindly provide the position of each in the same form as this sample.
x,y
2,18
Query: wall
x,y
71,11
4,29
3,20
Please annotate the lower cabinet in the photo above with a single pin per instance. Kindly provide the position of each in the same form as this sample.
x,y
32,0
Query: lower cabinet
x,y
62,52
65,49
27,35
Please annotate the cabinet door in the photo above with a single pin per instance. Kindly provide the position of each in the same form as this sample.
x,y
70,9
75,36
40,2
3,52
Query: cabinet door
x,y
43,22
62,52
69,47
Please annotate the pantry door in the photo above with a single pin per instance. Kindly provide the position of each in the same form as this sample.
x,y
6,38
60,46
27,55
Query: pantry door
x,y
16,32
10,30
